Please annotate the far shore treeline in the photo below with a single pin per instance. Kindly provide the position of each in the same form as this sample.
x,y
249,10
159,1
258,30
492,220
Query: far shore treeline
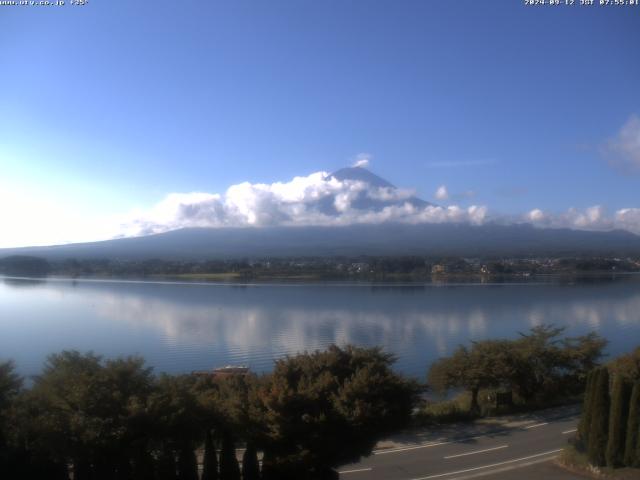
x,y
114,419
375,268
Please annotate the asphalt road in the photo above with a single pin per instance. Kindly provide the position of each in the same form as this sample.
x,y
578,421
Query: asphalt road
x,y
518,452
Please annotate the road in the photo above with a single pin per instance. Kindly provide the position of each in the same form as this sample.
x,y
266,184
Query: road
x,y
519,450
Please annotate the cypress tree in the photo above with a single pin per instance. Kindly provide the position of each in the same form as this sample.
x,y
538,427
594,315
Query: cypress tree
x,y
585,418
269,472
210,462
123,469
166,465
229,468
618,417
598,430
143,465
250,465
187,464
632,442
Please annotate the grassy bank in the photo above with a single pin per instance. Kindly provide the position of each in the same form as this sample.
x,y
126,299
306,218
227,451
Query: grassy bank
x,y
574,461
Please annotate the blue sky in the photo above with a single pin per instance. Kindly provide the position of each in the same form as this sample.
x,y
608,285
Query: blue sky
x,y
107,108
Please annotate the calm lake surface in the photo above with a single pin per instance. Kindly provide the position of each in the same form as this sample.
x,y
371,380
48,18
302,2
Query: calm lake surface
x,y
180,327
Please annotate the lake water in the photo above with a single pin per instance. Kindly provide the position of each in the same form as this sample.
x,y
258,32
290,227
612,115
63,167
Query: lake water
x,y
180,327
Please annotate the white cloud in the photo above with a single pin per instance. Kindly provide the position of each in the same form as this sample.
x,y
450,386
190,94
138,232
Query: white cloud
x,y
362,160
628,219
591,218
441,193
623,150
317,199
536,216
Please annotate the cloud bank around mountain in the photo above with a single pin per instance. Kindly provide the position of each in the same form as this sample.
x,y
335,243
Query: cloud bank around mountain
x,y
591,218
322,200
317,199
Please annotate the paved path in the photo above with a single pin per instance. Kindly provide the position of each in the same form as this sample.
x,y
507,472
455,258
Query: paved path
x,y
519,447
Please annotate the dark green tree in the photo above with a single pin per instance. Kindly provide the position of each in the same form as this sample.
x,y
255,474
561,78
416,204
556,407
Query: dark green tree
x,y
486,364
10,386
597,446
618,417
84,411
143,467
632,442
250,465
178,414
585,419
328,408
627,365
187,464
580,356
229,468
539,362
166,464
210,461
269,469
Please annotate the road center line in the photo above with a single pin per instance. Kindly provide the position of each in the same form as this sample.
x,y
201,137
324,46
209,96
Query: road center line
x,y
355,471
475,451
570,431
439,475
537,425
404,449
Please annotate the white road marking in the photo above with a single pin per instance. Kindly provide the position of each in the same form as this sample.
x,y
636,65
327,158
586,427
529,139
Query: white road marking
x,y
476,451
355,471
537,425
447,442
570,431
439,475
505,468
404,449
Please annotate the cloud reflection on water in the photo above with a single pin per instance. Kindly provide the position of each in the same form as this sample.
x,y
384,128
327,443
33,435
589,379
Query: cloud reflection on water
x,y
185,327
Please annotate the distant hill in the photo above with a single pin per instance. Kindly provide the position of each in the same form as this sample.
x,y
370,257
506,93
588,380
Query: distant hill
x,y
455,239
384,239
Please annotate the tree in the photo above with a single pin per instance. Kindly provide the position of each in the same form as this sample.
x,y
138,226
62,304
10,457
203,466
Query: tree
x,y
632,442
166,464
229,468
24,265
250,465
210,461
585,418
86,411
10,387
487,364
539,362
627,365
187,464
599,419
537,366
581,355
618,417
328,408
178,414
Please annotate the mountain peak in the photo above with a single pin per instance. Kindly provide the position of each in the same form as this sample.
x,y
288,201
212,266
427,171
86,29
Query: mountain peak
x,y
361,174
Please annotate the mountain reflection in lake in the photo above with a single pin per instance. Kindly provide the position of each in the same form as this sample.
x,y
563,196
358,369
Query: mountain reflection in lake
x,y
184,327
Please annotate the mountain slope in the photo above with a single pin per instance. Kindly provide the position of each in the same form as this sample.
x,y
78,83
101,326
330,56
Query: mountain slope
x,y
385,239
